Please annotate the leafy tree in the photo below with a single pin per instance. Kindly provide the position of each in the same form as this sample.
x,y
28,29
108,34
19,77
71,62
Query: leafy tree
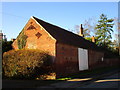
x,y
103,31
6,46
88,38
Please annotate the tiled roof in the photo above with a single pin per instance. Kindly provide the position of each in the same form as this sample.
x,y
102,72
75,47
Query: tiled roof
x,y
66,37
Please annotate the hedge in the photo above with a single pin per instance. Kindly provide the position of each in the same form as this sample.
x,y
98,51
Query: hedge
x,y
26,64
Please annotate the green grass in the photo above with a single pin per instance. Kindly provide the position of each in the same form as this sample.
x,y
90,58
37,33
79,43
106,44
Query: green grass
x,y
67,78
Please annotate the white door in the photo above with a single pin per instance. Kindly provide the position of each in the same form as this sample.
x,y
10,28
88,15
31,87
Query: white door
x,y
83,59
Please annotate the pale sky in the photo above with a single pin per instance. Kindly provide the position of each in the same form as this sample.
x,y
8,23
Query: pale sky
x,y
63,14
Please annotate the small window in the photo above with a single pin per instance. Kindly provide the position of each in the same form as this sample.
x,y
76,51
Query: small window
x,y
38,35
31,27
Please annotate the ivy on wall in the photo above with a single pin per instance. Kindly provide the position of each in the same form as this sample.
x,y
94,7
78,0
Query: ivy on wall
x,y
22,39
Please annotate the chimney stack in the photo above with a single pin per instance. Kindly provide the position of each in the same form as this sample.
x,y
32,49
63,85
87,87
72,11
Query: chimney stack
x,y
93,39
13,39
81,31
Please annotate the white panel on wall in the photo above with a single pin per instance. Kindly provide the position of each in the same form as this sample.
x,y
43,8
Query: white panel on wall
x,y
83,59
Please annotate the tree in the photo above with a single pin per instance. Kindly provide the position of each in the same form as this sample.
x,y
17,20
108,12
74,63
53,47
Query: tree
x,y
88,28
6,46
86,31
103,31
117,33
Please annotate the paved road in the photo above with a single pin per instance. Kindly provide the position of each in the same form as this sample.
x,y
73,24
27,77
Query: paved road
x,y
107,81
112,81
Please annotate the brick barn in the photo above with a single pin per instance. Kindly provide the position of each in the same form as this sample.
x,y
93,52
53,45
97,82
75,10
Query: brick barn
x,y
71,52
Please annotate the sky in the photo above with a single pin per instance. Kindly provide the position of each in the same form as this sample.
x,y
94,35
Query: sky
x,y
63,14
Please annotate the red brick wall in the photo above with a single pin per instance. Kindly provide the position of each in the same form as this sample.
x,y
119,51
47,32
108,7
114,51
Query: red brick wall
x,y
94,58
45,42
112,61
66,59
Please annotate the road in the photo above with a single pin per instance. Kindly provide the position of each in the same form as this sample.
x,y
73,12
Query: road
x,y
107,81
112,81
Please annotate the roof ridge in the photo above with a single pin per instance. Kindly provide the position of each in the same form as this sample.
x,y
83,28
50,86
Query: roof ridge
x,y
65,36
54,25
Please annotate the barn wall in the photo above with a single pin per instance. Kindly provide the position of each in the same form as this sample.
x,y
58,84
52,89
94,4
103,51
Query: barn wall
x,y
38,38
66,59
95,58
112,61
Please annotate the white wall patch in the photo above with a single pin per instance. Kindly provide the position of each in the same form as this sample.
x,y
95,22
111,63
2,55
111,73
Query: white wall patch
x,y
83,59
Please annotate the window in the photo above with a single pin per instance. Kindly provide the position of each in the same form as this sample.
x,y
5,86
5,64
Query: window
x,y
38,35
31,27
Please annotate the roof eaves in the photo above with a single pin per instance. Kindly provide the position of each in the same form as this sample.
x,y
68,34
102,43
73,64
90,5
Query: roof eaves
x,y
42,27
